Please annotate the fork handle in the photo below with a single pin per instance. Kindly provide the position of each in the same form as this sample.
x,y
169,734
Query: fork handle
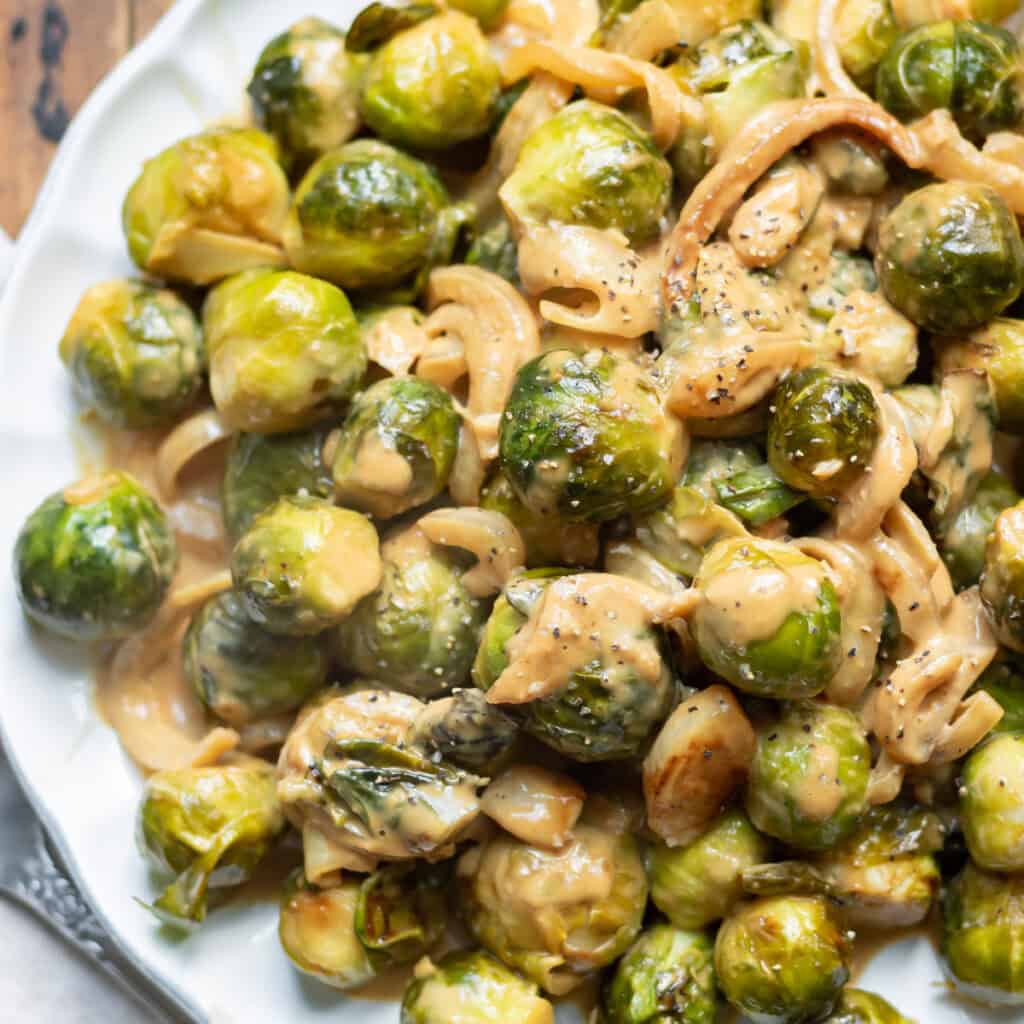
x,y
42,885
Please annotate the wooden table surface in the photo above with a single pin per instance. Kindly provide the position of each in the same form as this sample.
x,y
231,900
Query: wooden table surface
x,y
55,51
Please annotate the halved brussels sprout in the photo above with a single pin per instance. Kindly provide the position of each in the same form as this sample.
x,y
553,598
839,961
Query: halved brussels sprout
x,y
590,165
859,1007
240,671
962,540
1002,579
303,565
467,731
586,437
809,780
367,216
419,630
264,467
950,256
538,910
666,977
402,911
782,960
284,350
1002,682
209,206
864,31
601,714
94,561
397,446
134,352
433,85
209,827
983,935
473,988
823,431
305,89
783,644
992,803
700,883
973,70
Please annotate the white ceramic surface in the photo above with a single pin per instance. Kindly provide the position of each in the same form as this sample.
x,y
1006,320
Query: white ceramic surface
x,y
191,70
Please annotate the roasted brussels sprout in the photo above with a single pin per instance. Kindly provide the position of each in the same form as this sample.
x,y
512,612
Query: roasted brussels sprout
x,y
303,565
983,935
396,447
208,827
991,802
1002,579
606,711
305,89
586,437
467,731
535,909
809,780
590,165
782,960
284,350
368,216
962,540
973,70
769,621
210,205
134,352
473,988
700,883
864,31
1005,685
94,561
950,256
402,911
495,250
240,671
264,467
419,630
859,1007
666,977
823,431
487,12
433,85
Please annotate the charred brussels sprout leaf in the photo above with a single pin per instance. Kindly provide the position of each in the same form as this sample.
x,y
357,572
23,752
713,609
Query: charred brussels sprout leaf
x,y
757,495
991,798
402,911
962,539
1002,579
134,353
495,250
376,23
950,256
94,561
467,731
586,437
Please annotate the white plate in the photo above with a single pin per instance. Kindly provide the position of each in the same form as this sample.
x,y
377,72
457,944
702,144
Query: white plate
x,y
191,70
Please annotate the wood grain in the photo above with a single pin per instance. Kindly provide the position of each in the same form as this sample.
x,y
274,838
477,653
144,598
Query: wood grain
x,y
55,51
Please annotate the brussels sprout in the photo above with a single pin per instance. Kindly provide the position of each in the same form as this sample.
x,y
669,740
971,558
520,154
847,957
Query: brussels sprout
x,y
586,437
209,827
396,447
548,539
473,988
809,780
262,468
950,256
859,1007
590,165
419,630
432,86
853,163
666,977
402,911
757,495
601,714
381,20
983,935
467,731
962,540
305,89
864,31
487,12
367,216
495,250
134,352
783,644
535,909
823,431
284,348
210,205
303,565
700,883
241,672
998,350
991,802
973,70
317,931
1002,579
1003,684
94,561
782,960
